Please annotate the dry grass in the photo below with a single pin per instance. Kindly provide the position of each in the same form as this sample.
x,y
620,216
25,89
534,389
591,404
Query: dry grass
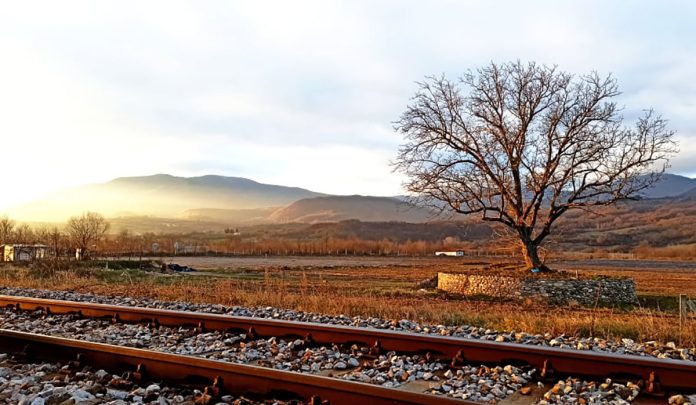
x,y
363,292
679,251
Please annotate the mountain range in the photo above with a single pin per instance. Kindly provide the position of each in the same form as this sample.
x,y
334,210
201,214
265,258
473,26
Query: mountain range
x,y
239,201
230,200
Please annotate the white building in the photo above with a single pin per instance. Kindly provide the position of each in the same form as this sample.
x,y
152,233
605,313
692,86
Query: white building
x,y
23,253
456,253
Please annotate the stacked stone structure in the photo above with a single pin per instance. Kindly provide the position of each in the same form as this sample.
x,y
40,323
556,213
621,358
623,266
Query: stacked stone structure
x,y
555,290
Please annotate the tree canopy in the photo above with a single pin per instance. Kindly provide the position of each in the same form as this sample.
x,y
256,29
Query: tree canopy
x,y
85,230
521,144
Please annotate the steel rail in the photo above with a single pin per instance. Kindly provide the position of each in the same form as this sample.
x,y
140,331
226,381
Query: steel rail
x,y
215,375
657,374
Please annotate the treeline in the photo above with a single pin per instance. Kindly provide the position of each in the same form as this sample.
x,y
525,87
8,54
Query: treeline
x,y
643,229
80,234
13,233
126,244
89,234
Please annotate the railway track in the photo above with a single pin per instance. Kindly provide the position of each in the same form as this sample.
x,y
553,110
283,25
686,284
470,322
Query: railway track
x,y
656,375
214,378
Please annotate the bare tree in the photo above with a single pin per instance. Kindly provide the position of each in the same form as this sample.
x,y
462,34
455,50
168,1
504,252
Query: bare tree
x,y
50,236
24,234
521,144
124,242
7,227
86,230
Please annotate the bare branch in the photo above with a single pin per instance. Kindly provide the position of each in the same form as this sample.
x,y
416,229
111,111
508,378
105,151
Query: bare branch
x,y
521,144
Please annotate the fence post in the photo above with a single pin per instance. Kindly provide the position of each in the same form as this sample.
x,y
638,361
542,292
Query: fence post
x,y
682,315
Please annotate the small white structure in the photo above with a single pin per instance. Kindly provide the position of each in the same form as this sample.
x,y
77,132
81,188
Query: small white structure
x,y
23,253
180,248
454,253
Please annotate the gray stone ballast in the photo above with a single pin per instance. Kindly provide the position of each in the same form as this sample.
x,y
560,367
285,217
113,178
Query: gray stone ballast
x,y
557,291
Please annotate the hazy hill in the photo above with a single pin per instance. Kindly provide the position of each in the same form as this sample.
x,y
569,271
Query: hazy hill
x,y
688,195
229,216
236,201
160,195
659,223
402,232
670,185
141,225
340,208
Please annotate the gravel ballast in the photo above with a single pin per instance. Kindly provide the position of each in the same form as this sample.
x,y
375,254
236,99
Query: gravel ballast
x,y
667,350
58,384
391,370
353,363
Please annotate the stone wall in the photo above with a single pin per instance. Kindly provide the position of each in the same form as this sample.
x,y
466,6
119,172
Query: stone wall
x,y
473,284
587,292
606,291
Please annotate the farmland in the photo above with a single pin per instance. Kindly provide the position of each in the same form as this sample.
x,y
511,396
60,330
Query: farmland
x,y
388,287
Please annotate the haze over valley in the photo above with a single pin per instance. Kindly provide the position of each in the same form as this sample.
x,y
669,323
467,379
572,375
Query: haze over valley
x,y
230,200
166,203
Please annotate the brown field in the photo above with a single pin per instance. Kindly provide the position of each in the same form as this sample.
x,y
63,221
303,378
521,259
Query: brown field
x,y
652,277
663,278
387,287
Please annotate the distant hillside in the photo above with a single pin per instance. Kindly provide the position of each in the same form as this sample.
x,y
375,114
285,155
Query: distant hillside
x,y
467,230
228,216
160,195
689,195
622,228
340,208
236,201
670,185
141,225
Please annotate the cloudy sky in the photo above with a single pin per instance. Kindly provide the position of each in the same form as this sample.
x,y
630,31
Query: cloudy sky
x,y
293,93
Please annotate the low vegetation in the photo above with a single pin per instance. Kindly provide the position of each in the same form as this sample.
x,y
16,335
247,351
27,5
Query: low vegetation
x,y
389,292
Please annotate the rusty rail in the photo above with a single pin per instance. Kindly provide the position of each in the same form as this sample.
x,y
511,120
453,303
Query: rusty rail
x,y
212,375
660,374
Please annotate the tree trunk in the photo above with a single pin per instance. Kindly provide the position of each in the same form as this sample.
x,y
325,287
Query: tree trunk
x,y
530,252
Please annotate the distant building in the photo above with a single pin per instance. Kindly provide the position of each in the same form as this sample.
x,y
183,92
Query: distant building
x,y
23,253
456,253
181,249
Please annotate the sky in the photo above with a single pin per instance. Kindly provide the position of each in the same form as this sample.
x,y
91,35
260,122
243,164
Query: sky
x,y
293,93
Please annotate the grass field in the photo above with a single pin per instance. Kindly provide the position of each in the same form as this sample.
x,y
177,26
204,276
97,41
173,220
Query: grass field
x,y
387,288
